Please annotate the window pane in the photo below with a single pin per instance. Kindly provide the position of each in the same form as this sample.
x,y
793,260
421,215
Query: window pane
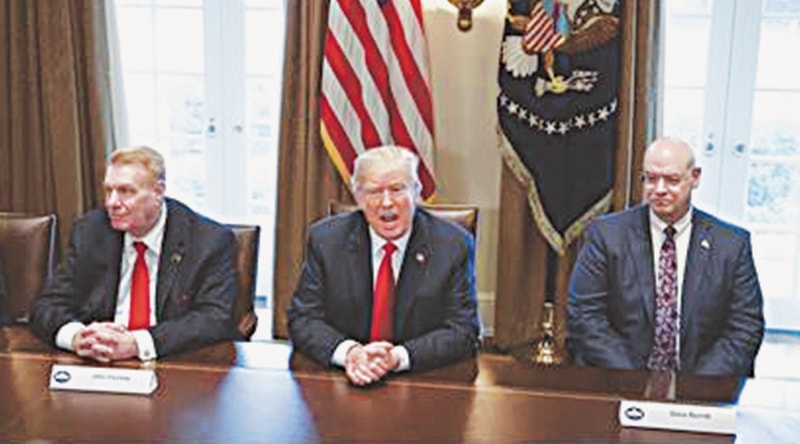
x,y
683,114
185,104
250,4
264,41
781,7
136,38
140,98
773,192
186,171
775,274
775,69
776,124
690,6
686,50
120,3
191,3
180,40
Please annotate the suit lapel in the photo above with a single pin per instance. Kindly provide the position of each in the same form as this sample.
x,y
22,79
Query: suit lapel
x,y
642,247
111,244
173,251
359,266
697,260
418,253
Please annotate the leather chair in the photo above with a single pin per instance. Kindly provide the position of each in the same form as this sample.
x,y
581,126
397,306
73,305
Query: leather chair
x,y
247,238
28,245
463,215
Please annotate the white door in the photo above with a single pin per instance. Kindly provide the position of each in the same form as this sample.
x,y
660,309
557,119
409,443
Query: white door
x,y
732,89
202,82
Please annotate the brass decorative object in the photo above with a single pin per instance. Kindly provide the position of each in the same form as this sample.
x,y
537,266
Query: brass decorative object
x,y
546,352
465,7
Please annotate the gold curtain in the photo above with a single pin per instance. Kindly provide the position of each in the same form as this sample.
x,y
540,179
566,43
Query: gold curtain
x,y
307,179
55,114
522,251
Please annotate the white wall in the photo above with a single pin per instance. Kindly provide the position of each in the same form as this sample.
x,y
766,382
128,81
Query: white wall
x,y
467,159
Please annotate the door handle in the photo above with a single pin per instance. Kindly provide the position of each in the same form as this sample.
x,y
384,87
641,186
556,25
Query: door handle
x,y
708,149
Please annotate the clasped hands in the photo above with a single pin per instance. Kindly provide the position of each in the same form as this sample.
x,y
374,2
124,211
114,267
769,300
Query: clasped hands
x,y
105,342
365,364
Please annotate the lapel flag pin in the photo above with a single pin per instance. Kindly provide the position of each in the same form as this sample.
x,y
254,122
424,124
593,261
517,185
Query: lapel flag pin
x,y
420,257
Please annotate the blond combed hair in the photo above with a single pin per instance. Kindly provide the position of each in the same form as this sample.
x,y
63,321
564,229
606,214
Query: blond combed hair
x,y
383,157
145,156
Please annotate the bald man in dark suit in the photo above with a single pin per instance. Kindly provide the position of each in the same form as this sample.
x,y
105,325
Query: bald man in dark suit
x,y
613,304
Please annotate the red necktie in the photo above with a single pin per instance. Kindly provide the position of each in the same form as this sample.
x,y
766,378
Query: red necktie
x,y
140,291
664,356
383,302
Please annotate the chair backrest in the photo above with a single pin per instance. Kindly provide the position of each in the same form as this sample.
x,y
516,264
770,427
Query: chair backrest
x,y
28,245
463,215
247,238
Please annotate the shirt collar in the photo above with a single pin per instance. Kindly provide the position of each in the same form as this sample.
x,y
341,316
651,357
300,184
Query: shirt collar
x,y
680,226
154,237
378,242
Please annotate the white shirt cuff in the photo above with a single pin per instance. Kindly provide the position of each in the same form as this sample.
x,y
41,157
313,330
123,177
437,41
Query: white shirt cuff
x,y
144,344
340,353
67,333
401,353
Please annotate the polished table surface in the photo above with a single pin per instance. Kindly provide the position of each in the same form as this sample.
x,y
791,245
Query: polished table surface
x,y
235,392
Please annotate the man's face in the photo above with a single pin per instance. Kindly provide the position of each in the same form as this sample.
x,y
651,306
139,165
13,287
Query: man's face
x,y
133,199
387,197
668,180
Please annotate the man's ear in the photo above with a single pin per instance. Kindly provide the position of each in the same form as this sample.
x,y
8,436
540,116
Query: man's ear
x,y
160,187
361,202
696,173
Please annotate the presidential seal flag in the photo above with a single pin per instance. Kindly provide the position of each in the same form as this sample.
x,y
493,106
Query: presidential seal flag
x,y
557,109
375,83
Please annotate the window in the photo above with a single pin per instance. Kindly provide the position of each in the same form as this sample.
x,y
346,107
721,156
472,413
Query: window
x,y
201,82
731,89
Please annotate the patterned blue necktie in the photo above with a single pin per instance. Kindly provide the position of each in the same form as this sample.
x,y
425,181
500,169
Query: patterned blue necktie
x,y
664,356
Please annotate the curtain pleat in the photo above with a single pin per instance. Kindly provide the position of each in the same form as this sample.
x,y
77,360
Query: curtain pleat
x,y
307,179
55,124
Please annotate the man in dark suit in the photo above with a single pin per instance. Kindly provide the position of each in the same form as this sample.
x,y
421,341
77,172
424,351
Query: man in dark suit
x,y
338,315
715,323
145,278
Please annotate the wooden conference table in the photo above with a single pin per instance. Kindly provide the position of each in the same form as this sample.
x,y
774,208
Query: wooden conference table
x,y
247,392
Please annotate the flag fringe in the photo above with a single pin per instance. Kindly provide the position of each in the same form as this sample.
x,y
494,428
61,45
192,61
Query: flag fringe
x,y
557,242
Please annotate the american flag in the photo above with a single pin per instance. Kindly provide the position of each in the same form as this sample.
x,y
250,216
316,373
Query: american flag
x,y
375,83
540,33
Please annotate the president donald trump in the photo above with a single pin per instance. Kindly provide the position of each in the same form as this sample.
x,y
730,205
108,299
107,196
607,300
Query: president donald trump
x,y
389,287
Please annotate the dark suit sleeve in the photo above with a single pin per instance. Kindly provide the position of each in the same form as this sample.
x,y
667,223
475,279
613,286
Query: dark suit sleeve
x,y
201,312
456,336
592,340
733,353
71,295
308,328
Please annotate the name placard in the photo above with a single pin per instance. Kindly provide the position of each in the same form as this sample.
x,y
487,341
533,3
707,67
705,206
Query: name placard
x,y
103,379
675,416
